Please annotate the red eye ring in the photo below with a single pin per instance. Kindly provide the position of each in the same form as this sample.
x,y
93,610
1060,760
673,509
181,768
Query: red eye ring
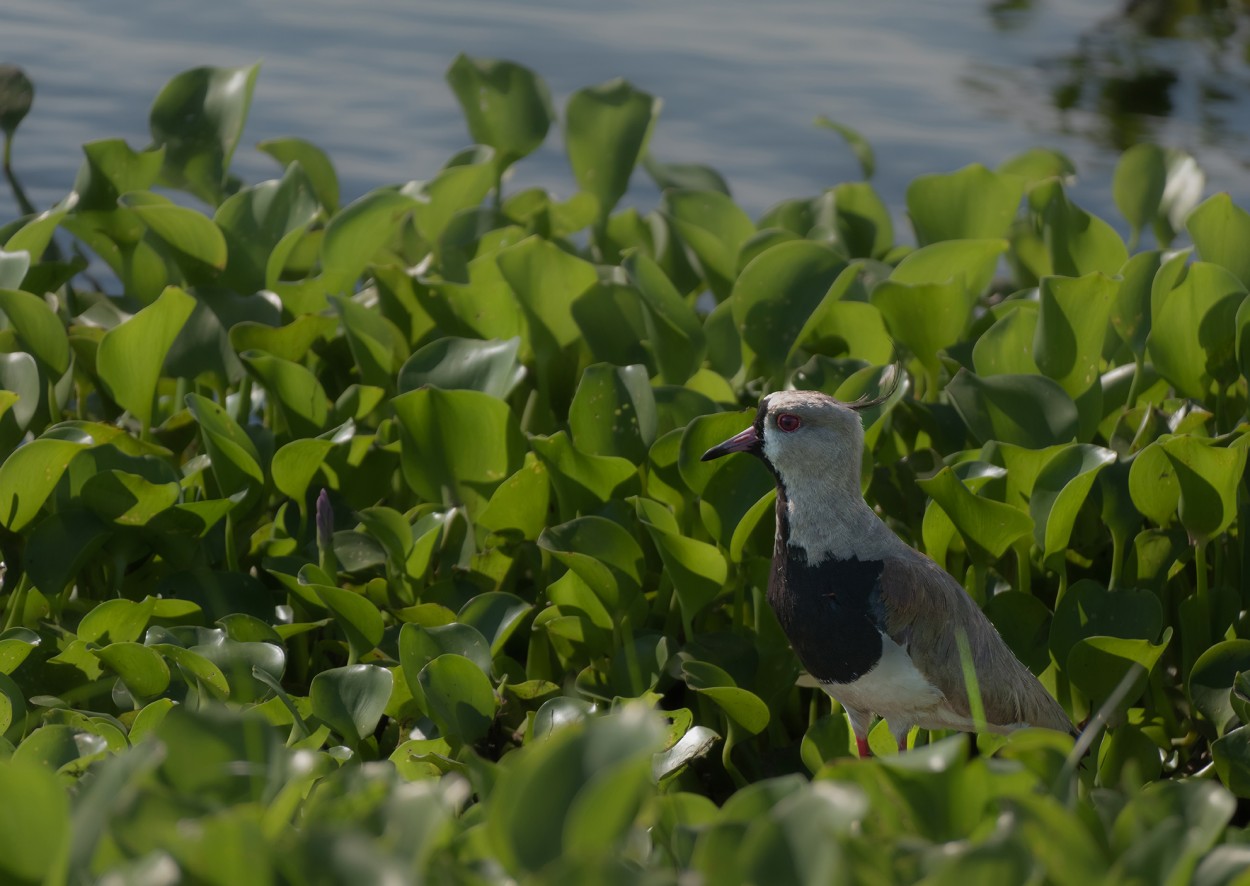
x,y
789,422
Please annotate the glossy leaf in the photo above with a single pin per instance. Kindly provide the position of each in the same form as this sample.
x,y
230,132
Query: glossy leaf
x,y
459,697
1219,229
972,203
1192,331
506,105
351,699
606,129
131,355
453,363
1060,491
1026,410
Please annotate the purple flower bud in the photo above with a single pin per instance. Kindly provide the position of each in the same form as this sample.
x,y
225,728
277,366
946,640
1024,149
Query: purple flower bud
x,y
325,520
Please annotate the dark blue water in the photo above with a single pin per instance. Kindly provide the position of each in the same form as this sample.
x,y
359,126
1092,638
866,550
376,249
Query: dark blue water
x,y
933,86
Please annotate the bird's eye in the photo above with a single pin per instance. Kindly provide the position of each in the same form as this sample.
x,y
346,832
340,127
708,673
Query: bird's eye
x,y
788,422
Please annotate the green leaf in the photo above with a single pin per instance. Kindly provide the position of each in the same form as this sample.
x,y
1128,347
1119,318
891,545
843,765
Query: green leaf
x,y
131,355
1060,491
315,163
546,281
127,499
606,128
13,268
1192,331
1152,484
862,221
1220,230
520,503
1088,609
198,118
141,668
253,223
461,184
583,483
971,263
1078,243
34,823
419,645
38,327
1027,410
235,461
356,233
986,525
1209,477
1211,681
743,707
697,569
689,176
777,292
186,231
28,477
856,142
459,698
613,412
1097,665
676,336
1006,348
1130,312
1231,755
925,317
458,446
296,464
1038,164
1071,329
358,618
351,699
468,364
294,390
506,105
377,346
602,554
1137,187
714,227
496,614
972,203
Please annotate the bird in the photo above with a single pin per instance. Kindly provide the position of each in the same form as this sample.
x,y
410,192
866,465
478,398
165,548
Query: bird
x,y
875,621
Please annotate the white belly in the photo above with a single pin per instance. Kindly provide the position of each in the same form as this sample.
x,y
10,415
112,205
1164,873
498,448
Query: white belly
x,y
894,689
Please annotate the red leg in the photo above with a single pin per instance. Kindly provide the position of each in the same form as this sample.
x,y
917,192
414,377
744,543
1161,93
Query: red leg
x,y
862,745
902,743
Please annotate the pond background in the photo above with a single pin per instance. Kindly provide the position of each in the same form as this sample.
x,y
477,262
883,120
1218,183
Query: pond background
x,y
932,86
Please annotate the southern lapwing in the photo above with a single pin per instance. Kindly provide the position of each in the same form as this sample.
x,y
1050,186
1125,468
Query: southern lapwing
x,y
875,621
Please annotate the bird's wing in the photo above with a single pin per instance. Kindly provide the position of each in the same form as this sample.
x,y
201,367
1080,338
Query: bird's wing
x,y
926,609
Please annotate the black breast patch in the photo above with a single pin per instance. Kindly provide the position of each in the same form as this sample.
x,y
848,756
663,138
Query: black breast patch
x,y
831,611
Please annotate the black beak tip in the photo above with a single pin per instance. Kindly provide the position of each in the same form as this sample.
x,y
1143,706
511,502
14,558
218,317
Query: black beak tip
x,y
710,454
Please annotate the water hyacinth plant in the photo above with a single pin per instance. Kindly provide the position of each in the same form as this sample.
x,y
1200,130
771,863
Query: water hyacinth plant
x,y
372,539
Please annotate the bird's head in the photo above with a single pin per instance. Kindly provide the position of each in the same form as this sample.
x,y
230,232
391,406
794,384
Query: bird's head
x,y
804,437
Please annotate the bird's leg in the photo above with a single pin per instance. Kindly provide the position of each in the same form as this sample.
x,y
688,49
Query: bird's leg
x,y
902,743
861,744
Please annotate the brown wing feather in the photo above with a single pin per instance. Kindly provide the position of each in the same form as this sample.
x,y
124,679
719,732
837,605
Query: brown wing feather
x,y
926,608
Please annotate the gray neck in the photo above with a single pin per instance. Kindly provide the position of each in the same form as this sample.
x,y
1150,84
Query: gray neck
x,y
830,518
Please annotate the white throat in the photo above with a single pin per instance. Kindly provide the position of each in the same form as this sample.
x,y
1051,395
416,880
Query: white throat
x,y
825,524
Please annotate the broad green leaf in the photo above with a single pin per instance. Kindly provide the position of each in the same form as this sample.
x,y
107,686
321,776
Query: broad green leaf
x,y
296,464
1078,243
1209,477
1088,609
38,327
1192,338
294,390
606,129
697,569
926,317
198,118
583,483
714,227
857,143
546,281
1220,230
602,554
972,203
34,823
613,412
1006,348
315,163
35,235
862,221
290,342
131,355
677,339
496,614
1060,491
235,460
521,502
128,499
469,364
1038,164
1026,410
254,221
689,176
1231,756
1097,665
356,233
351,699
457,445
111,169
461,184
1211,681
970,263
506,105
29,475
985,525
184,230
355,615
459,698
13,268
377,346
776,293
1071,329
1130,312
1152,484
420,645
1137,187
743,707
140,667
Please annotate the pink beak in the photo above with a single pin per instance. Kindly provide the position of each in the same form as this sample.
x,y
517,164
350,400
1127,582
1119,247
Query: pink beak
x,y
744,442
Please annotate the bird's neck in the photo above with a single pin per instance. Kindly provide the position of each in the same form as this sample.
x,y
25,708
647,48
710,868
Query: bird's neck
x,y
830,519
